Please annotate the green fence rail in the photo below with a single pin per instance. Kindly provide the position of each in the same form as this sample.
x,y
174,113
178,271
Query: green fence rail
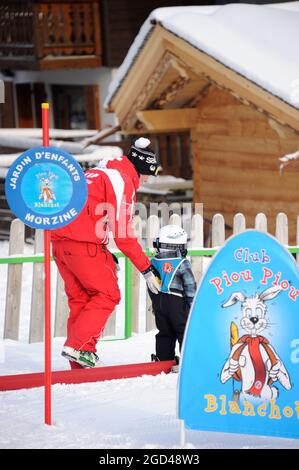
x,y
20,259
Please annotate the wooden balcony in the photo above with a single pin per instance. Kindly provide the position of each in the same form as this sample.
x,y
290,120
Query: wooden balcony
x,y
39,35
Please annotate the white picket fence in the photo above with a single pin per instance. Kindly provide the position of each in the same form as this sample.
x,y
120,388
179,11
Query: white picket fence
x,y
14,272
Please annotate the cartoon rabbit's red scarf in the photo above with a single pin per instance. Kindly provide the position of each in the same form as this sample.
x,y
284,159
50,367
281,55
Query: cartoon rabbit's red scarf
x,y
257,360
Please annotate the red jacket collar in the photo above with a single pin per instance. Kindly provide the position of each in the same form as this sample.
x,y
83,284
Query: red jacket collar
x,y
123,165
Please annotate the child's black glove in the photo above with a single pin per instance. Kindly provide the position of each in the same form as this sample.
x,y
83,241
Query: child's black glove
x,y
116,262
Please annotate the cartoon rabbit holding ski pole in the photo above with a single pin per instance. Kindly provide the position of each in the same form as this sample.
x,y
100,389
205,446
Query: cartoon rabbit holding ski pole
x,y
252,360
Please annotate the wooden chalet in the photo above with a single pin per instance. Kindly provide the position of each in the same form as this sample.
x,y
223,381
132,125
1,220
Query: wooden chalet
x,y
40,39
64,51
237,129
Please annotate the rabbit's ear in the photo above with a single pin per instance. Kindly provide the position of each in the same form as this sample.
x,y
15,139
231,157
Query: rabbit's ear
x,y
270,293
234,298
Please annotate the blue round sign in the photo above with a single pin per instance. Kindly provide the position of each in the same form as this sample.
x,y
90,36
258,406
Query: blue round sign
x,y
46,188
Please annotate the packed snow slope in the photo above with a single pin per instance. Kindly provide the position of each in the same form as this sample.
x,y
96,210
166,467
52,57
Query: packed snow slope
x,y
135,413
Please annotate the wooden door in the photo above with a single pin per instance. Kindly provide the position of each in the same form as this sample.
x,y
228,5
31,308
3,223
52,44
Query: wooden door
x,y
24,104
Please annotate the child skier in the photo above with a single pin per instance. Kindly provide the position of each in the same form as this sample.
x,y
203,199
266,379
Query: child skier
x,y
172,304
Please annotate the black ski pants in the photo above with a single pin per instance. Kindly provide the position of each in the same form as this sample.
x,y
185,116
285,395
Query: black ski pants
x,y
171,314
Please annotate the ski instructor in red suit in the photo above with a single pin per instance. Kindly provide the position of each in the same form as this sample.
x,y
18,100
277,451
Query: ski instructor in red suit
x,y
82,256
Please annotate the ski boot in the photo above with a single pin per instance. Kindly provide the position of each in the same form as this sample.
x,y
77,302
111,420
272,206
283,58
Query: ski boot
x,y
175,368
86,359
154,358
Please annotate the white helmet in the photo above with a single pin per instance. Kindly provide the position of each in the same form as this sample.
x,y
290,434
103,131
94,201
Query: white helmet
x,y
172,237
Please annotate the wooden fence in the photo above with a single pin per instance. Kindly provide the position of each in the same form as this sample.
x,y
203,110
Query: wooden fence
x,y
133,286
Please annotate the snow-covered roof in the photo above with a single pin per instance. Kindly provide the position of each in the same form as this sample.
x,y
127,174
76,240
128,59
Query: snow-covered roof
x,y
54,133
260,42
165,184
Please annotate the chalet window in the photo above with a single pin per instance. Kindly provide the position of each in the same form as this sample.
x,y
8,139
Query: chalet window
x,y
76,106
29,99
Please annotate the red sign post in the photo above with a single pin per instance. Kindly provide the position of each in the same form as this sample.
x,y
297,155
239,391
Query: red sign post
x,y
47,288
50,193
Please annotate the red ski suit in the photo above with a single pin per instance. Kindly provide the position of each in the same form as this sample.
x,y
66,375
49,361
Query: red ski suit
x,y
81,254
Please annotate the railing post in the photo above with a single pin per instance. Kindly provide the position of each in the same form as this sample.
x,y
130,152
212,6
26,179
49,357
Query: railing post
x,y
218,230
110,327
128,298
261,222
153,226
36,332
37,31
136,279
197,242
61,308
282,229
14,282
175,219
239,223
97,31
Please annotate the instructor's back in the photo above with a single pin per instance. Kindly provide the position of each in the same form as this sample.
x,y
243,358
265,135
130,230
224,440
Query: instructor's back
x,y
82,256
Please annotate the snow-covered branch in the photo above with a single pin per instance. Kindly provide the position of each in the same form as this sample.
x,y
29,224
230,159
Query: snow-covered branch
x,y
286,159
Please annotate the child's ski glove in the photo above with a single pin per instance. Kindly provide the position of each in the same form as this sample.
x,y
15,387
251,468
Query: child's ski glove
x,y
152,280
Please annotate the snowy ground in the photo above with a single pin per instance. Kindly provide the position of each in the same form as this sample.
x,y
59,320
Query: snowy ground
x,y
135,413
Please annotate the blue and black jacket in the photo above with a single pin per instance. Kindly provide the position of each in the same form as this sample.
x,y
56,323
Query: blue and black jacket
x,y
176,274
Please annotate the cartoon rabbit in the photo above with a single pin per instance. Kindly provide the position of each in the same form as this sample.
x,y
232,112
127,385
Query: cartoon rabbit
x,y
252,360
46,192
